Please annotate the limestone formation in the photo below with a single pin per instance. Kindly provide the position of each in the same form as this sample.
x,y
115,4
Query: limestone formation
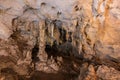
x,y
79,39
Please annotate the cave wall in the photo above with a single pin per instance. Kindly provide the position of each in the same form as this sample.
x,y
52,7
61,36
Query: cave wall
x,y
77,27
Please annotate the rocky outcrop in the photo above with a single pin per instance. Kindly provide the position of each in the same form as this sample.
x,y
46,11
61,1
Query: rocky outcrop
x,y
72,37
108,73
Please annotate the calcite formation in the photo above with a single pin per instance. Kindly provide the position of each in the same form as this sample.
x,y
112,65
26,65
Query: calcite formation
x,y
78,38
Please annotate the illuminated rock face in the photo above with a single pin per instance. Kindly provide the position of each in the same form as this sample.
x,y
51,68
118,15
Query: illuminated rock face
x,y
39,34
108,28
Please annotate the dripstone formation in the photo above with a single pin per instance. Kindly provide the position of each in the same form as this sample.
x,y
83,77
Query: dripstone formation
x,y
59,40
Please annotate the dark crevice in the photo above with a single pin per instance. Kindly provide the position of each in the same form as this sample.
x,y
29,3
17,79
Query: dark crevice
x,y
35,51
70,37
52,50
62,35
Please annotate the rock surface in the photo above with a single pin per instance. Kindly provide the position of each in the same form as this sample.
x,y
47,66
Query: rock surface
x,y
75,38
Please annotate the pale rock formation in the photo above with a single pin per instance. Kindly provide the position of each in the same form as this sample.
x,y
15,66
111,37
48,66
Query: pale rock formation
x,y
49,35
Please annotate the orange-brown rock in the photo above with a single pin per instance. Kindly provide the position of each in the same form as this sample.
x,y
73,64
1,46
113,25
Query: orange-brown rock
x,y
74,37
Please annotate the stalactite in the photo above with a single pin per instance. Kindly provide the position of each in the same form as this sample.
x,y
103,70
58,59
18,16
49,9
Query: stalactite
x,y
52,30
70,37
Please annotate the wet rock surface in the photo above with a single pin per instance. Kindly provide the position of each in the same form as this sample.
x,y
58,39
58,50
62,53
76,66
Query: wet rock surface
x,y
59,40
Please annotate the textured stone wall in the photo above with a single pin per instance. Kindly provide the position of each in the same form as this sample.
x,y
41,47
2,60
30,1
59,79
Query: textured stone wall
x,y
34,34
